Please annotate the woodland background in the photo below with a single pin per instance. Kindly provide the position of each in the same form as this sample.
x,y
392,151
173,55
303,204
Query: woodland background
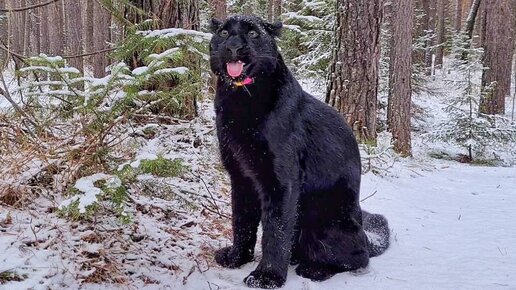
x,y
106,120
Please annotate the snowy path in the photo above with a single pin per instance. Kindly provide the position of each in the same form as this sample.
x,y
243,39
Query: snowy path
x,y
453,228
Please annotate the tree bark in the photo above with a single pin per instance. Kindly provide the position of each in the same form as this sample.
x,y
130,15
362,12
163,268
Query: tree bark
x,y
3,34
458,16
270,10
184,14
45,31
498,52
277,10
56,25
353,84
89,22
441,32
102,20
470,21
17,28
399,100
430,8
34,33
73,36
171,13
219,9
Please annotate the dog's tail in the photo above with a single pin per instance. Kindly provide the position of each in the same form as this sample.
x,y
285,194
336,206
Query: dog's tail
x,y
378,234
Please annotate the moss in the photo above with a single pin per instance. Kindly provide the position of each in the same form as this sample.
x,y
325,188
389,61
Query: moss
x,y
163,167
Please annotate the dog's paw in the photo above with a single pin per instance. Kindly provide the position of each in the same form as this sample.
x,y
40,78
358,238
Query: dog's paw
x,y
314,273
230,258
266,280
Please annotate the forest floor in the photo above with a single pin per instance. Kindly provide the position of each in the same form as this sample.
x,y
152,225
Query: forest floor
x,y
452,225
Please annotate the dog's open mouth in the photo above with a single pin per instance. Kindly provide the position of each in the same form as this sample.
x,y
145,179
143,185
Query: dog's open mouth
x,y
235,69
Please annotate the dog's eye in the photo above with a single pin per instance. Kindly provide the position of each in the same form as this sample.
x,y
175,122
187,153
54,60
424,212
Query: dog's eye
x,y
253,34
224,33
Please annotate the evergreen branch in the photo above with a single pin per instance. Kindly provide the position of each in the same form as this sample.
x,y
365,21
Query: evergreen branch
x,y
25,8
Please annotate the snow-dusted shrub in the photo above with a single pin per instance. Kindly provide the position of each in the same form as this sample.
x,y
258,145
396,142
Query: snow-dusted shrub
x,y
166,66
481,135
74,126
92,193
377,158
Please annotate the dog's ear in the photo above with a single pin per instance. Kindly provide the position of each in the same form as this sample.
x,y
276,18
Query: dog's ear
x,y
274,29
215,25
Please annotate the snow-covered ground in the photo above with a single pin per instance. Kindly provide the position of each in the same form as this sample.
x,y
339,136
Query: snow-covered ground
x,y
452,224
452,228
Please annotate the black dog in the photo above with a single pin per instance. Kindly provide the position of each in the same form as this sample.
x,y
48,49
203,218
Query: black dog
x,y
294,164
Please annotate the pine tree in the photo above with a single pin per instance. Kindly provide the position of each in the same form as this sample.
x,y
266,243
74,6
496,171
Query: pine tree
x,y
400,77
467,127
308,36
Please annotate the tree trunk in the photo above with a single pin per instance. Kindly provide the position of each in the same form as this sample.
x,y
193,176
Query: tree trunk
x,y
34,43
270,10
430,9
398,110
45,31
470,25
16,27
219,9
73,28
3,34
441,31
277,9
89,22
458,16
470,21
184,14
102,20
56,24
353,83
498,53
479,29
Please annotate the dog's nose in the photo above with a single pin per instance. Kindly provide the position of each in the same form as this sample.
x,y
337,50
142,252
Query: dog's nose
x,y
234,50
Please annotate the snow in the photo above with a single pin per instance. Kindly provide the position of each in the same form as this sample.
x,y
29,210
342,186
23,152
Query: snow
x,y
167,53
140,70
89,190
452,228
51,58
178,70
174,32
63,70
302,17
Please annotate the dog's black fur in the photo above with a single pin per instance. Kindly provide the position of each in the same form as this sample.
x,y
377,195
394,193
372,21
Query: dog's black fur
x,y
294,165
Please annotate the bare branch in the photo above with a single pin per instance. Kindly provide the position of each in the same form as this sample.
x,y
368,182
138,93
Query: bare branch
x,y
23,57
89,53
5,92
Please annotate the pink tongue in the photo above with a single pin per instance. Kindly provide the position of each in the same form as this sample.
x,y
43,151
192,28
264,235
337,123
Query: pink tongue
x,y
235,68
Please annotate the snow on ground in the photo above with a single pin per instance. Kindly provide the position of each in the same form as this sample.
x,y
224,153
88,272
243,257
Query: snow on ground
x,y
452,228
452,225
